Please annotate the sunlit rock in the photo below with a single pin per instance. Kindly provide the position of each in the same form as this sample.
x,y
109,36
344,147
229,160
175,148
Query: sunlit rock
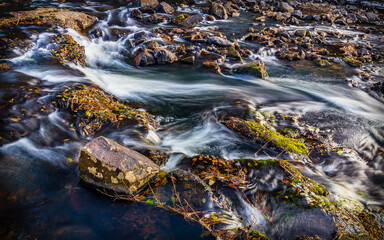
x,y
107,165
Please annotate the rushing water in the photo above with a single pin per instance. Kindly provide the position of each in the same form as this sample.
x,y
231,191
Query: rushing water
x,y
40,195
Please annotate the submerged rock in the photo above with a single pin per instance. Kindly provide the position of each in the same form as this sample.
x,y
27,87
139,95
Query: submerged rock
x,y
106,164
256,68
50,16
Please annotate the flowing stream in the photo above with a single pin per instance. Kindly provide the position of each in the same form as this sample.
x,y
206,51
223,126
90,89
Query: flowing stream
x,y
39,192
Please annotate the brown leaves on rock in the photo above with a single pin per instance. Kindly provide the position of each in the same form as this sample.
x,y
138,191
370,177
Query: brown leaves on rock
x,y
101,108
211,168
68,50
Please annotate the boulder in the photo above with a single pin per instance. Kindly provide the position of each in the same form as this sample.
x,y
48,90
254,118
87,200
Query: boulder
x,y
285,7
148,3
256,68
218,11
107,165
50,16
220,42
163,56
145,58
192,21
164,7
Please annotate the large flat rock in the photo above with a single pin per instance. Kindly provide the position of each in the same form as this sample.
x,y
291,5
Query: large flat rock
x,y
105,164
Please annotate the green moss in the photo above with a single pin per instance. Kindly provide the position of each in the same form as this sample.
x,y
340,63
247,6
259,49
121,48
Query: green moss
x,y
289,144
256,235
353,62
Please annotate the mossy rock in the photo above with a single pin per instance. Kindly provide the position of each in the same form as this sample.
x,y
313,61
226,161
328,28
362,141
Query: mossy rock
x,y
253,130
353,62
256,68
322,62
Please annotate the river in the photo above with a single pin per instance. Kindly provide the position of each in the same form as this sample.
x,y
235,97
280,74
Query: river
x,y
40,197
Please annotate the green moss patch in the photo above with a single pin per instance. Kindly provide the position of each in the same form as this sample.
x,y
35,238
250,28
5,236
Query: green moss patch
x,y
253,130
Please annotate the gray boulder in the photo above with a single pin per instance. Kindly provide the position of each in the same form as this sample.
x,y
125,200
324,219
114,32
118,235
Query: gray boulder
x,y
107,165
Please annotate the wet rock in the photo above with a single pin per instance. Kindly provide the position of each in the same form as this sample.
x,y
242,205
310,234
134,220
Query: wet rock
x,y
153,45
372,16
285,7
353,62
145,58
188,59
155,18
300,33
233,53
50,16
256,68
105,164
220,42
297,13
148,3
68,50
192,21
163,56
158,157
211,18
260,131
321,62
136,13
378,87
164,7
95,110
218,10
